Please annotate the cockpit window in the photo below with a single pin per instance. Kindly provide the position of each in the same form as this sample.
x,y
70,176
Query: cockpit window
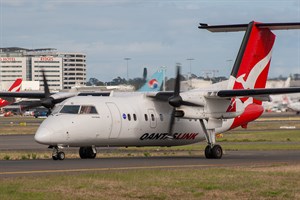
x,y
70,109
88,110
56,109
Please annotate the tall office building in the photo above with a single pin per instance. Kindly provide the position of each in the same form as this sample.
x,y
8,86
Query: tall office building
x,y
62,70
74,69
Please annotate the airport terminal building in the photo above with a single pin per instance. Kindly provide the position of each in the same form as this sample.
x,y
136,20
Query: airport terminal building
x,y
63,70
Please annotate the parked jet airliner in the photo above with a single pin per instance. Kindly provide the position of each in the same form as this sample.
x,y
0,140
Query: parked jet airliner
x,y
169,118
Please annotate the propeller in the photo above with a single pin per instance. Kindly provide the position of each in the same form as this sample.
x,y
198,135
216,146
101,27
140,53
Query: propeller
x,y
176,101
48,101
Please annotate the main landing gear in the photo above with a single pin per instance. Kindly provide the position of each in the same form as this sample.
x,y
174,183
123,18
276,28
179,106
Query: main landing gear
x,y
57,153
212,150
87,152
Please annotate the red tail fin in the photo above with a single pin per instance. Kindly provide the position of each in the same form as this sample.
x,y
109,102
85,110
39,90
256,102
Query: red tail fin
x,y
16,86
252,64
253,61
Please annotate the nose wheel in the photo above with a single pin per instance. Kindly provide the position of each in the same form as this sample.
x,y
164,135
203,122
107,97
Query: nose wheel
x,y
58,154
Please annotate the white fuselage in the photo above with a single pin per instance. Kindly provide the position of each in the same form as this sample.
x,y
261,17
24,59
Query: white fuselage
x,y
133,120
295,106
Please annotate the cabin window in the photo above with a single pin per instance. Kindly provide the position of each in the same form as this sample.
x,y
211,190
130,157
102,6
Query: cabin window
x,y
70,109
88,110
161,117
129,117
146,117
134,117
152,117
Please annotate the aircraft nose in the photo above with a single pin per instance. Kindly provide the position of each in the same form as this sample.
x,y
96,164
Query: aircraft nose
x,y
43,136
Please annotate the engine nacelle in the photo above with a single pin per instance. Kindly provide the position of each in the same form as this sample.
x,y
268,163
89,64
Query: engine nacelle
x,y
214,108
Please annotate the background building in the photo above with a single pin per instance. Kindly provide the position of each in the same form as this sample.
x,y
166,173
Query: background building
x,y
74,66
63,70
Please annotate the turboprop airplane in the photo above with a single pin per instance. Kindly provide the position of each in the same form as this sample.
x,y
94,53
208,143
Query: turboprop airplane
x,y
169,118
15,87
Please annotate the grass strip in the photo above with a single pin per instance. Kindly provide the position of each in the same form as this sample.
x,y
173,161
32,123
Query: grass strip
x,y
251,182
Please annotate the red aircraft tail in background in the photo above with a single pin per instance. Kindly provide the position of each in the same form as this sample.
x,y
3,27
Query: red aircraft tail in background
x,y
15,87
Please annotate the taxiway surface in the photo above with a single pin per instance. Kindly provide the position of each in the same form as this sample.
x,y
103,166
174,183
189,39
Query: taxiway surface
x,y
19,142
12,168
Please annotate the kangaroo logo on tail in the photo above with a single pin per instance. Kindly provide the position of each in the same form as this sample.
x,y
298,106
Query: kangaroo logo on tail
x,y
16,86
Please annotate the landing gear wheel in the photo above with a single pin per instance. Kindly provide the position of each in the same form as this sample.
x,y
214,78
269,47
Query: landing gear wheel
x,y
54,157
217,151
208,152
57,153
87,153
61,155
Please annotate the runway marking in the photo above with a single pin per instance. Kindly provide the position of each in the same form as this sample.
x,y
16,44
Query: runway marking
x,y
105,169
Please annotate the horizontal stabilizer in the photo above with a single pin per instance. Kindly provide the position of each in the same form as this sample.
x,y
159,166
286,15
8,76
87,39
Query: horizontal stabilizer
x,y
243,27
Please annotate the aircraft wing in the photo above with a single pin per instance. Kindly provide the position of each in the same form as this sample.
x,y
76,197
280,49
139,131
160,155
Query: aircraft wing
x,y
40,95
31,95
262,94
161,96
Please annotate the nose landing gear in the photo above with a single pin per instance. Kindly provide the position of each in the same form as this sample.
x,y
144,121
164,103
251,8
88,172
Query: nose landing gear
x,y
57,153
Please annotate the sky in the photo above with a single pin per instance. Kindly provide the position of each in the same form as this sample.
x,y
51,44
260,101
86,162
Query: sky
x,y
151,33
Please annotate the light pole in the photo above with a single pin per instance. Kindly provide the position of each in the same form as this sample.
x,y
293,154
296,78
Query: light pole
x,y
127,65
190,78
190,59
229,62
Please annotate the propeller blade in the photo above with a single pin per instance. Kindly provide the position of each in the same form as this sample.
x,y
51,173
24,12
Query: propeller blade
x,y
175,100
171,124
32,104
177,82
46,86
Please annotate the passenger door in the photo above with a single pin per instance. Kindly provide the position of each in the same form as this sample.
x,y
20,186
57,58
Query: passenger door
x,y
116,121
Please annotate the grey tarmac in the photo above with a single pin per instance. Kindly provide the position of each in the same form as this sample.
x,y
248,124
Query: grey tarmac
x,y
16,168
